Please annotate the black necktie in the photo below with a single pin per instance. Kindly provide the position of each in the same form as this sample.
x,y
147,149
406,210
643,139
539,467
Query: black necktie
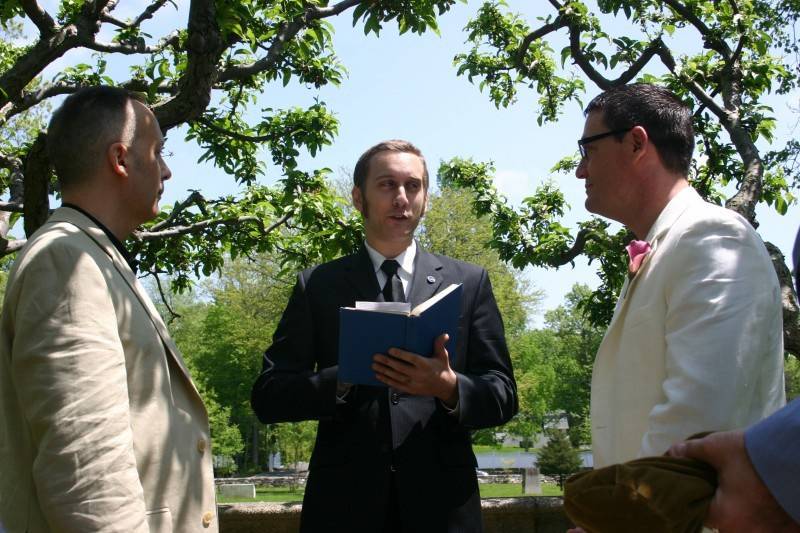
x,y
393,289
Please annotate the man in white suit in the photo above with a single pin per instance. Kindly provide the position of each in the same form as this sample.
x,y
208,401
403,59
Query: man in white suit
x,y
101,428
695,343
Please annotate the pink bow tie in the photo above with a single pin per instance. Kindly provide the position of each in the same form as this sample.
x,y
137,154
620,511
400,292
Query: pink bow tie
x,y
637,251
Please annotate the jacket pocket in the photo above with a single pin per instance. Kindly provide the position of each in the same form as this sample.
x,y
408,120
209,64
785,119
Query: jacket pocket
x,y
159,520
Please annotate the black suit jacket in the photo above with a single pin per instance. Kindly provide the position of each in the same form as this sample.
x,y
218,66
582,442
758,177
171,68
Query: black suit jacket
x,y
381,441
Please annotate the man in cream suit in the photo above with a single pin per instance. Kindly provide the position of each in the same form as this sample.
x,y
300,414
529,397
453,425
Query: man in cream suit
x,y
101,428
695,343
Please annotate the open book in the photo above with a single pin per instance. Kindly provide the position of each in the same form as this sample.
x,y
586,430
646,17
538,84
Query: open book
x,y
374,327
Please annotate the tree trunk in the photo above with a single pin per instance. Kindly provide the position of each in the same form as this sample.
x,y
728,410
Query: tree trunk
x,y
255,444
36,206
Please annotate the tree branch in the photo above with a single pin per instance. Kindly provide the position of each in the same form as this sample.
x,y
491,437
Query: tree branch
x,y
8,247
711,42
43,21
314,13
105,17
172,313
30,99
36,186
699,93
93,10
592,73
11,207
557,24
791,312
201,226
10,162
577,249
194,198
142,86
232,134
138,48
31,63
241,72
204,47
148,12
287,33
740,24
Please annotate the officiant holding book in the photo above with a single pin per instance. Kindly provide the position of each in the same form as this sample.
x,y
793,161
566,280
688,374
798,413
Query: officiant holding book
x,y
396,457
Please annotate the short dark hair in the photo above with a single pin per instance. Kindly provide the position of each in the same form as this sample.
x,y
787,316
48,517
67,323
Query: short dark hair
x,y
394,145
83,127
667,120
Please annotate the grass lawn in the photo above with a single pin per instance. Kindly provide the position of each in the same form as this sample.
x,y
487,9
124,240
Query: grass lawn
x,y
268,494
488,490
482,448
513,490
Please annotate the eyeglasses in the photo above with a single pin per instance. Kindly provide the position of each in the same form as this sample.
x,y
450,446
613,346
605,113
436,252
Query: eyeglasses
x,y
592,138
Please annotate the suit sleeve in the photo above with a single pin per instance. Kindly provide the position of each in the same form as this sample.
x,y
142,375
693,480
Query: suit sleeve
x,y
289,387
69,367
722,334
772,447
487,390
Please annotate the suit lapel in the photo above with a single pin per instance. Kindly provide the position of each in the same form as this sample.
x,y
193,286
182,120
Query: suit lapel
x,y
360,273
661,227
427,278
121,265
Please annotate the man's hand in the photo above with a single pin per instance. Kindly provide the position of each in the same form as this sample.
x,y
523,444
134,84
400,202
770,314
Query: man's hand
x,y
742,503
421,376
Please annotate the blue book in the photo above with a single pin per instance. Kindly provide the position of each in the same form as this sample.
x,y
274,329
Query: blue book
x,y
374,327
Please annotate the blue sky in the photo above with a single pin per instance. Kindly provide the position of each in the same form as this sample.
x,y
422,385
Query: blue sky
x,y
406,87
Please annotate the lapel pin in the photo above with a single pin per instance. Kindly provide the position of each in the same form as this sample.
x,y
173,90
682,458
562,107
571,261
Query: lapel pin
x,y
431,280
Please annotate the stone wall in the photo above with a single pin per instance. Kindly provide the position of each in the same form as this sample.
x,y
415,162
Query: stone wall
x,y
537,514
267,480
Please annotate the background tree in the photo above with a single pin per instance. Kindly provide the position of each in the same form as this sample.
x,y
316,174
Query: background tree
x,y
452,229
533,358
748,51
223,334
208,76
558,458
577,340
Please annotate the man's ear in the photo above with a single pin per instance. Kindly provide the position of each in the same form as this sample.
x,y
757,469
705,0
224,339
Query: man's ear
x,y
117,157
639,139
358,202
424,203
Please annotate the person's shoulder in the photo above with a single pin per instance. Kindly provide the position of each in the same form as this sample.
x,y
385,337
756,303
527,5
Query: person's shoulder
x,y
330,269
56,240
462,267
714,218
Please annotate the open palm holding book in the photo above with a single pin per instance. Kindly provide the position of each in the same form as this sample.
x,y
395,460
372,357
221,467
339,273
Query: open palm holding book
x,y
372,328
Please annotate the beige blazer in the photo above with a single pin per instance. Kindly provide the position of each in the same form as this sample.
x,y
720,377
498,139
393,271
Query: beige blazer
x,y
696,341
101,428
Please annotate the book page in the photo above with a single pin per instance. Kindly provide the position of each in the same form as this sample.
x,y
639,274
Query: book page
x,y
418,310
401,308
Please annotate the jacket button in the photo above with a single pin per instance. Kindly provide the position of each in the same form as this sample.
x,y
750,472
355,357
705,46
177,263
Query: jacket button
x,y
201,446
395,398
208,516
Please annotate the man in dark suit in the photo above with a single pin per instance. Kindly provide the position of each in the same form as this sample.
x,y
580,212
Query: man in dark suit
x,y
397,458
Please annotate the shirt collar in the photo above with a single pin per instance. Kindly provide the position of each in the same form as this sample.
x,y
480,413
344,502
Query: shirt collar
x,y
405,259
132,262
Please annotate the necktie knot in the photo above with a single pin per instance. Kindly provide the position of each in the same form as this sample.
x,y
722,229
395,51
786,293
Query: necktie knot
x,y
393,289
390,267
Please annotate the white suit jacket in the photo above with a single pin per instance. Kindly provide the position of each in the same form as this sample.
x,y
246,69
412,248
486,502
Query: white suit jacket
x,y
696,341
101,428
